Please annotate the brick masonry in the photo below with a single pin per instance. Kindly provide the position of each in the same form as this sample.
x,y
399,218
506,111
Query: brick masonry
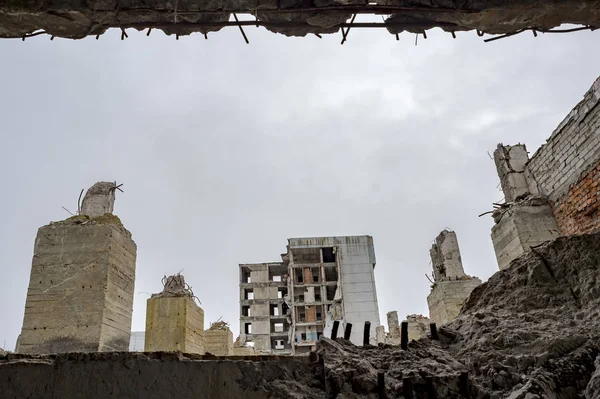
x,y
567,168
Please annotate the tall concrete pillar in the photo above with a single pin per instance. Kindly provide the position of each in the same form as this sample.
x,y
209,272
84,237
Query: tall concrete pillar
x,y
393,324
510,164
80,295
445,256
174,322
451,286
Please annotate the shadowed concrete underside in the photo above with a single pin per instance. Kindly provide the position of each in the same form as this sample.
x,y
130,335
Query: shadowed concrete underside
x,y
77,19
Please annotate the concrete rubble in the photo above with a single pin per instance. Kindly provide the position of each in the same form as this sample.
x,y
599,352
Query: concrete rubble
x,y
531,331
76,19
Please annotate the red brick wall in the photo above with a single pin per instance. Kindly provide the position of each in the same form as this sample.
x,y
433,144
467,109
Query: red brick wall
x,y
578,212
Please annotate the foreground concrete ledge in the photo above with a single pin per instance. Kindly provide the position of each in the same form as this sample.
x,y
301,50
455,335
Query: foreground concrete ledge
x,y
77,19
153,375
164,356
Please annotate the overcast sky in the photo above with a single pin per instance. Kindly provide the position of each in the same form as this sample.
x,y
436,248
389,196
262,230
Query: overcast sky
x,y
227,149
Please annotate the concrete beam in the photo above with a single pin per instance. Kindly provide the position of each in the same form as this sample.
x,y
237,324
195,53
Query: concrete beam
x,y
77,19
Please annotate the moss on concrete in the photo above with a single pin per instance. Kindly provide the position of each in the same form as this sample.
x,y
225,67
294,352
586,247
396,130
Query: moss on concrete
x,y
107,218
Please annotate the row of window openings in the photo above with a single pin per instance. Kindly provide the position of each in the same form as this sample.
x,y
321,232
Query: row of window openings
x,y
314,275
303,336
313,255
273,310
302,316
275,327
248,279
249,293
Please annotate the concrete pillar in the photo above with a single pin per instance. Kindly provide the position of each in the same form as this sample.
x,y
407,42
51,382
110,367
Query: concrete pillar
x,y
520,227
451,286
445,257
393,324
80,295
219,341
380,334
174,323
99,199
510,164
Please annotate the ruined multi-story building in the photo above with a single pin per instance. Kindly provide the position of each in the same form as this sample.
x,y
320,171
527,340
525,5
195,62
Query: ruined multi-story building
x,y
451,286
556,191
286,306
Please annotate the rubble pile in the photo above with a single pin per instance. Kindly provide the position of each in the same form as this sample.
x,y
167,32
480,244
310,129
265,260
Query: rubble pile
x,y
531,331
174,286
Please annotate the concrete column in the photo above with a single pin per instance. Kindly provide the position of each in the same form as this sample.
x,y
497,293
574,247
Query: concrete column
x,y
451,286
393,324
521,226
510,164
219,340
445,257
80,295
380,334
174,323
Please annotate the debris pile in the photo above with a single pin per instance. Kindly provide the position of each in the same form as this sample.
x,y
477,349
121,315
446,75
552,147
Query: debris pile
x,y
219,325
532,331
173,286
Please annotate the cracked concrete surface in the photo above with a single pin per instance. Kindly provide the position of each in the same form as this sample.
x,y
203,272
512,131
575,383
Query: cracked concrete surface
x,y
77,19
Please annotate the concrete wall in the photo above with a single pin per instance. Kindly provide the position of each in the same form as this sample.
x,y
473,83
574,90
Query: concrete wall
x,y
219,342
418,327
80,295
174,324
567,167
152,376
447,297
521,227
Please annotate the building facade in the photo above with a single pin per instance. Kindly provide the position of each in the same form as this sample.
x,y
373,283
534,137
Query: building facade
x,y
286,306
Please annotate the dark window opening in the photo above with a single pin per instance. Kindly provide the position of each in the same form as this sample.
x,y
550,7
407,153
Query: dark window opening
x,y
284,308
300,298
331,273
328,255
248,328
281,292
317,296
274,310
249,294
319,316
301,316
246,311
330,292
319,335
245,275
303,337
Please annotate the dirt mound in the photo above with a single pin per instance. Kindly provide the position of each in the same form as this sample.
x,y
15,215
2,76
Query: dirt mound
x,y
531,331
